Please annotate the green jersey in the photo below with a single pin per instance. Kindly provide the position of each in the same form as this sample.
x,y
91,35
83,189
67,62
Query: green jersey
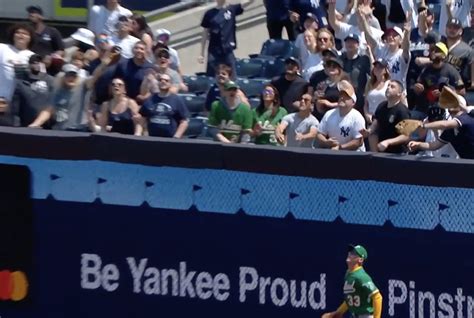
x,y
268,122
231,122
358,290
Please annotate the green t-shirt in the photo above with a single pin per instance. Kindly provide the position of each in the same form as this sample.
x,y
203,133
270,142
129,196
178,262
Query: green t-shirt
x,y
230,122
358,290
268,124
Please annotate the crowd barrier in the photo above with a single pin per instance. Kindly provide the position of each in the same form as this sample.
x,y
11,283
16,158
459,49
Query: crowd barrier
x,y
143,227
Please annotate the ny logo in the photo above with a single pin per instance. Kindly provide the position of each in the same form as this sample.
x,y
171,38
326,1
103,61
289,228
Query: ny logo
x,y
396,67
345,131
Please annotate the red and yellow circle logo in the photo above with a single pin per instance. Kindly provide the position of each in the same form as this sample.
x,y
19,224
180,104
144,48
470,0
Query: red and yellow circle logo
x,y
13,285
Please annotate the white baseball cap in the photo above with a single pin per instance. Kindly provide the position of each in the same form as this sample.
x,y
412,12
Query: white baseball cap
x,y
163,32
84,35
70,68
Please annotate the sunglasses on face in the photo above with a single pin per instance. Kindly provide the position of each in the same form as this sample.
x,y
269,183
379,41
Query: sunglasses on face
x,y
166,56
323,39
268,92
117,84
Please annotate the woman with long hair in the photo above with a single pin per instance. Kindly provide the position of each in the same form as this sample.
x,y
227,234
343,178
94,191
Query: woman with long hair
x,y
375,90
142,31
316,42
14,57
120,114
267,116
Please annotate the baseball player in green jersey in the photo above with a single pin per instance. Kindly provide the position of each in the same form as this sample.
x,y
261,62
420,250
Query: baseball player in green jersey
x,y
361,297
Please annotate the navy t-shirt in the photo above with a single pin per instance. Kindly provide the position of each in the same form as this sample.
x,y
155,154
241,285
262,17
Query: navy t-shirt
x,y
221,25
164,114
462,138
133,75
277,10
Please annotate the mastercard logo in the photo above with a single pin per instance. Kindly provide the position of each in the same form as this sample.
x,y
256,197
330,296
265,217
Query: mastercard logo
x,y
13,285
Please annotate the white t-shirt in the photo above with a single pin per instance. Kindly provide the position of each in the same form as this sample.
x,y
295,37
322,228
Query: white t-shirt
x,y
126,44
342,128
397,65
461,9
375,97
314,63
346,29
102,20
9,56
296,124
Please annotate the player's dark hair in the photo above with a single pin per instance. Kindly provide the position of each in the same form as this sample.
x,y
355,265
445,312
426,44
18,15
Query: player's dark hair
x,y
21,26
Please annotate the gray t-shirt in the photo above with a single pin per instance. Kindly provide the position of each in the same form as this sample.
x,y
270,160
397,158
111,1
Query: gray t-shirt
x,y
296,124
69,106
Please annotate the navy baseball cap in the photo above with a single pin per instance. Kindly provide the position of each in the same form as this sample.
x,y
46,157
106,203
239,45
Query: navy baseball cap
x,y
335,60
292,60
454,22
34,9
352,36
331,52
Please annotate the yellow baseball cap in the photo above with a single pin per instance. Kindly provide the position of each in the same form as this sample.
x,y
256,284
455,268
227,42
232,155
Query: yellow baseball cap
x,y
442,47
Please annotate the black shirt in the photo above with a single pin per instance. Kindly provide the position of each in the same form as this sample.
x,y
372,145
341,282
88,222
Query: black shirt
x,y
387,118
358,70
32,95
431,77
396,14
48,41
290,91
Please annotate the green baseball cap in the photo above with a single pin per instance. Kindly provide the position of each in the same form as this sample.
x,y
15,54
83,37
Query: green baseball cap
x,y
359,250
230,85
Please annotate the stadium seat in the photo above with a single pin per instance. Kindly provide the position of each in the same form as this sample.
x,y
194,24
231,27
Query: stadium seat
x,y
251,87
278,48
194,103
198,84
196,127
250,68
273,68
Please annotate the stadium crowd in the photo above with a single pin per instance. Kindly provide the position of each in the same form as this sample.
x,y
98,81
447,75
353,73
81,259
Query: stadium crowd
x,y
348,74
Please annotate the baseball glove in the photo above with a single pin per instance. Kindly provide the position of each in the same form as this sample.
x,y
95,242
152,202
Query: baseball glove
x,y
407,127
448,98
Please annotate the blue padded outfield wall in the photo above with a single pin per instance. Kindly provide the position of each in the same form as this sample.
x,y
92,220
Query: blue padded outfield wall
x,y
128,227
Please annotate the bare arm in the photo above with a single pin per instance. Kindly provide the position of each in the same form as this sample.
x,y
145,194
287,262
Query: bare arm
x,y
280,132
204,39
442,124
333,21
183,125
449,13
406,39
137,118
369,37
354,144
416,145
311,134
43,117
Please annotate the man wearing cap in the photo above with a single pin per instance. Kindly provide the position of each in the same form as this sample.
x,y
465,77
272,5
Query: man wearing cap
x,y
340,127
383,136
161,66
219,28
357,66
361,297
395,49
298,129
342,29
104,18
459,9
48,40
290,85
460,55
163,36
459,131
427,86
68,110
32,93
165,112
278,17
230,120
